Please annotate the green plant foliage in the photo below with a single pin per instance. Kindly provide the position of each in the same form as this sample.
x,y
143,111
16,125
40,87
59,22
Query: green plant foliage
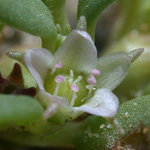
x,y
146,91
99,134
60,139
132,15
146,19
58,10
1,26
18,110
30,16
91,9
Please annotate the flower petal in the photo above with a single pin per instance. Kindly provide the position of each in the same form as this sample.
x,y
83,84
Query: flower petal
x,y
51,103
104,103
113,69
47,97
77,52
38,62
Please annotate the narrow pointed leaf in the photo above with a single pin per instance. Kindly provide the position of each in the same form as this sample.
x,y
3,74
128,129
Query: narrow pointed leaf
x,y
91,9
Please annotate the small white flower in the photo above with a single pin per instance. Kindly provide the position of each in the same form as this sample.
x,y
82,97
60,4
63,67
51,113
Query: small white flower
x,y
73,80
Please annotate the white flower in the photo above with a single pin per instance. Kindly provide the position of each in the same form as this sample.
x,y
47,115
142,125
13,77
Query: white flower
x,y
73,80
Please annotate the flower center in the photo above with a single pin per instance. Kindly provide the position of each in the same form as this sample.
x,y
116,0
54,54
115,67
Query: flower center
x,y
76,88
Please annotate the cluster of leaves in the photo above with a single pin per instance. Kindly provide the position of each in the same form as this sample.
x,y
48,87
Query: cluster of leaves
x,y
21,113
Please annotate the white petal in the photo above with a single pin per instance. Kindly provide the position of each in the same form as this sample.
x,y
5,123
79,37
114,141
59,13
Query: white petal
x,y
47,97
113,69
77,52
104,103
38,62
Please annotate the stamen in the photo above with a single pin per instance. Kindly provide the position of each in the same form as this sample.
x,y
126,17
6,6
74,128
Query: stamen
x,y
71,77
58,79
75,89
91,80
78,79
58,65
95,72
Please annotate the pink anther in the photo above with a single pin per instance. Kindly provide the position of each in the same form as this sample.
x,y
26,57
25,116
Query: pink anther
x,y
74,87
91,80
59,65
95,72
59,79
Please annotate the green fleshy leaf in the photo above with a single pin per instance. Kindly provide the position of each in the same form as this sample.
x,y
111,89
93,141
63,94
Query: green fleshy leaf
x,y
30,16
91,9
44,128
132,116
57,9
18,110
61,138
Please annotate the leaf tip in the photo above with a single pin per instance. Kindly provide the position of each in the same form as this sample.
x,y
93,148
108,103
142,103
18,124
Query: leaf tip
x,y
134,54
15,55
82,25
